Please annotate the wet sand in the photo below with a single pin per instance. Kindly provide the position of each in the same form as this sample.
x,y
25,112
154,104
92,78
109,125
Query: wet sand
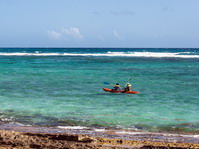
x,y
16,136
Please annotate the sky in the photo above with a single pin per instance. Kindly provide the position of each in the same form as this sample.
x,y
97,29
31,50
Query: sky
x,y
99,23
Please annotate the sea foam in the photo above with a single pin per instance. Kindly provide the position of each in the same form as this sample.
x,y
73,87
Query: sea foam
x,y
111,54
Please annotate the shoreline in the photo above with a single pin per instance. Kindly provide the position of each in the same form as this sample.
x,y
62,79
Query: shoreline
x,y
13,135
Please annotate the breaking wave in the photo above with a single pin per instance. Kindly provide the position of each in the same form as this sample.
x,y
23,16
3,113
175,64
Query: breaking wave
x,y
122,54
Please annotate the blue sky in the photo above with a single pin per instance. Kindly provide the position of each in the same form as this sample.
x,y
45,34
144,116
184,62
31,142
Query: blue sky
x,y
99,23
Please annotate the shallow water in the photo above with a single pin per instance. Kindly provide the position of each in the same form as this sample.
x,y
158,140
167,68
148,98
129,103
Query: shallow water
x,y
66,90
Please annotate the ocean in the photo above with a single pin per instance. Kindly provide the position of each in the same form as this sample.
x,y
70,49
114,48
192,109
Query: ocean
x,y
63,87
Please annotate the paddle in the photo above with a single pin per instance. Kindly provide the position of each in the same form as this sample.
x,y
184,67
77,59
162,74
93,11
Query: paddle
x,y
129,80
107,83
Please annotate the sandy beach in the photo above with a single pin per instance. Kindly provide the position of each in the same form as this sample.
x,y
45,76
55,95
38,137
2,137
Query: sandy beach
x,y
16,136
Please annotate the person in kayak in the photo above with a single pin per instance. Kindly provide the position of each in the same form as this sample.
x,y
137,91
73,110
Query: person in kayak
x,y
127,87
117,87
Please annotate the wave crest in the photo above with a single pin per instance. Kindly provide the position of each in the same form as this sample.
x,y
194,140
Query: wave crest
x,y
109,53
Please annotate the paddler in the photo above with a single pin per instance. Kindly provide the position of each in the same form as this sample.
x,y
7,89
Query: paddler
x,y
127,87
117,87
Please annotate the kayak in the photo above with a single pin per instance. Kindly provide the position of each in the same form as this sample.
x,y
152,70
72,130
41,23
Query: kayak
x,y
122,91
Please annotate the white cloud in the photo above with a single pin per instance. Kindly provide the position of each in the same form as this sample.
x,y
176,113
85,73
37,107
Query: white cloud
x,y
73,32
117,35
65,34
54,35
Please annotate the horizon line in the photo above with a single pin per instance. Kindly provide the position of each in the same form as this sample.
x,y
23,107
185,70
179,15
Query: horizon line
x,y
105,47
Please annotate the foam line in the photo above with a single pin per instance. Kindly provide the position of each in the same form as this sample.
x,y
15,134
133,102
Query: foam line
x,y
111,54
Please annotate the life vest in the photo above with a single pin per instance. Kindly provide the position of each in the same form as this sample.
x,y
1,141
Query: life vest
x,y
117,86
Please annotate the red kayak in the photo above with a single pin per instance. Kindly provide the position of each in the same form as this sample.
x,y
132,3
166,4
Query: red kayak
x,y
114,91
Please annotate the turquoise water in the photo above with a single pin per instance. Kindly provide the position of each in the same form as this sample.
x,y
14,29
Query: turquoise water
x,y
51,87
